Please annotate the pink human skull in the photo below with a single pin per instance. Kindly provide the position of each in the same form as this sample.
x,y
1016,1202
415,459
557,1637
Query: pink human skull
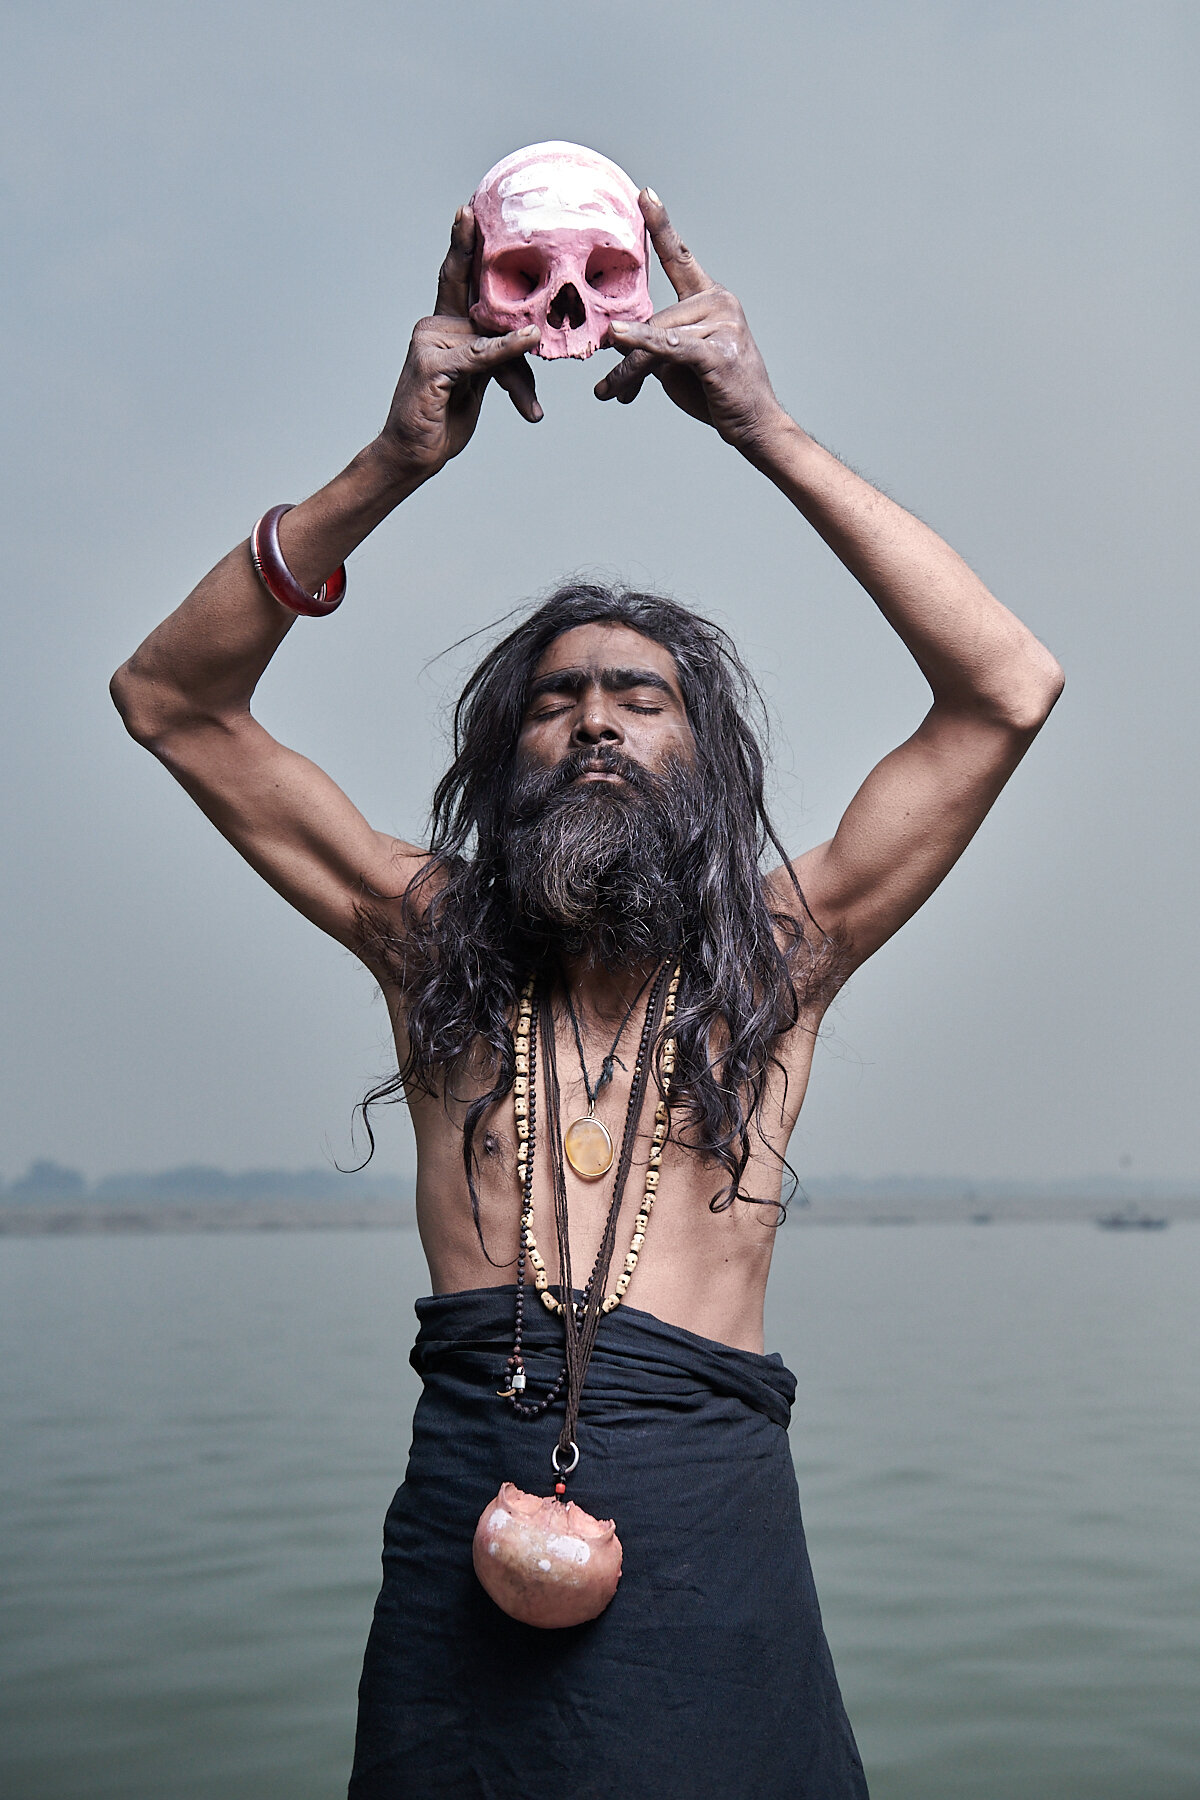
x,y
545,1562
560,243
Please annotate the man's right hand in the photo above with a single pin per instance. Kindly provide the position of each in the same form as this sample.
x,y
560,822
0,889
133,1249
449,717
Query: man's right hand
x,y
186,693
436,404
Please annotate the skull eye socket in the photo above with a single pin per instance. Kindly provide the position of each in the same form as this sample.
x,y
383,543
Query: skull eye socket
x,y
612,272
515,274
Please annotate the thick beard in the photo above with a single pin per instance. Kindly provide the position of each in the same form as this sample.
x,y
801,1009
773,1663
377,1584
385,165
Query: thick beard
x,y
597,870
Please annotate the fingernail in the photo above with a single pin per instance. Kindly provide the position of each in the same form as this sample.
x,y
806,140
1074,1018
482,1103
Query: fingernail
x,y
652,197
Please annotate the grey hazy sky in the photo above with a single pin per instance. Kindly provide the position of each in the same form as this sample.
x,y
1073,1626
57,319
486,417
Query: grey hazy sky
x,y
965,236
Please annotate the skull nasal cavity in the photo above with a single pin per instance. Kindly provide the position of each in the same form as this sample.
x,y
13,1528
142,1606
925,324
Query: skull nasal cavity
x,y
566,308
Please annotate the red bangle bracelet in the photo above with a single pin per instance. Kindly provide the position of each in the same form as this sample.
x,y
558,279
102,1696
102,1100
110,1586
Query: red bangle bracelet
x,y
278,579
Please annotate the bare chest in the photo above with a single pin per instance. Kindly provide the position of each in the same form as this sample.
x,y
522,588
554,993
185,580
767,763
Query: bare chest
x,y
679,1252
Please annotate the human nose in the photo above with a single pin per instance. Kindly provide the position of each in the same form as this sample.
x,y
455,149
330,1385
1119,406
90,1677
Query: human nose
x,y
596,721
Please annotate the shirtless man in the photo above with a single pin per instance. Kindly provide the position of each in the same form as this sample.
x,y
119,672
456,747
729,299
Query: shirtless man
x,y
602,708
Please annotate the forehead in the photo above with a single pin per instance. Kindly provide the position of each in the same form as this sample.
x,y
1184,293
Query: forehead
x,y
598,646
556,186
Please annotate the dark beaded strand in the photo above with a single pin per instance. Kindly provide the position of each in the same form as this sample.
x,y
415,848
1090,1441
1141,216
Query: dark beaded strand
x,y
527,1409
515,1367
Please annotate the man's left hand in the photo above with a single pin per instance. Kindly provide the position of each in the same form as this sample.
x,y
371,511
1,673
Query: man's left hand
x,y
700,349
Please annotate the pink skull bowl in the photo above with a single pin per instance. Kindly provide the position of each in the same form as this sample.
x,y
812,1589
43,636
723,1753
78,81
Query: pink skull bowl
x,y
545,1562
561,244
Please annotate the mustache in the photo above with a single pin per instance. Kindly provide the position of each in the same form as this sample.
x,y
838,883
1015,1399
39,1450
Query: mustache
x,y
534,788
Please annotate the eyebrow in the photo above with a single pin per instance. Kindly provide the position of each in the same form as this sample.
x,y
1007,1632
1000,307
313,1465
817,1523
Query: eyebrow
x,y
613,681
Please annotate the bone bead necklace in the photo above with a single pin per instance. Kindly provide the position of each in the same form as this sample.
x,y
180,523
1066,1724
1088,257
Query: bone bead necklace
x,y
524,1108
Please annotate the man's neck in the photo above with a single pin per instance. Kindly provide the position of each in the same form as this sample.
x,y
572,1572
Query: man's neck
x,y
602,993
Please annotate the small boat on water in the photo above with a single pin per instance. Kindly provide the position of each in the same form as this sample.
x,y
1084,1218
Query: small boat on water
x,y
1130,1219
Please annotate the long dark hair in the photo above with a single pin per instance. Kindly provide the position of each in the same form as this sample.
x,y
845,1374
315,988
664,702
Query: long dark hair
x,y
458,957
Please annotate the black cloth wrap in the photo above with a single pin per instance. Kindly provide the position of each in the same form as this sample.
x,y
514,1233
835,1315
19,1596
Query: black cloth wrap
x,y
708,1675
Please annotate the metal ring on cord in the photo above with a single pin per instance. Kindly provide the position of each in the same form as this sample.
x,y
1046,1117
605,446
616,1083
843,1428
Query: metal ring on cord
x,y
570,1465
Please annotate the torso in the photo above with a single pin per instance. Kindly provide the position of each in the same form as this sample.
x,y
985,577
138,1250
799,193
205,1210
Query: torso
x,y
701,1270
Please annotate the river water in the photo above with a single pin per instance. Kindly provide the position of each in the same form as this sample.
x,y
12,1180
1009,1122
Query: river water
x,y
997,1436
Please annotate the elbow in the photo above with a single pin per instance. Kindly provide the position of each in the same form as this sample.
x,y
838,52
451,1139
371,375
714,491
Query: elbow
x,y
1018,693
124,691
147,712
1035,694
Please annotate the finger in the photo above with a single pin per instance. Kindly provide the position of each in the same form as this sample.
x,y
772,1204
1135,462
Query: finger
x,y
516,378
484,355
663,335
454,276
624,380
636,382
695,309
658,339
680,266
650,347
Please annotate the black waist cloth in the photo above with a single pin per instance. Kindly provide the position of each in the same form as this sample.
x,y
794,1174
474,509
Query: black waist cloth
x,y
708,1675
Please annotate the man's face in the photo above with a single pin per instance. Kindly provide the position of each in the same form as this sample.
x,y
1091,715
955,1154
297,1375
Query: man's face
x,y
603,806
605,688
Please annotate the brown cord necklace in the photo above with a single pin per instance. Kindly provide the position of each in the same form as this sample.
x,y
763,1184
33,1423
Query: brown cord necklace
x,y
547,1562
587,1142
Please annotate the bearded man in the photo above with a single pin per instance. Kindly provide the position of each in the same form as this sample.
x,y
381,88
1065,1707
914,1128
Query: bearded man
x,y
601,830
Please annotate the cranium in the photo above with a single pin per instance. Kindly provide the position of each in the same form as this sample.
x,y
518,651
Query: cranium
x,y
560,243
546,1562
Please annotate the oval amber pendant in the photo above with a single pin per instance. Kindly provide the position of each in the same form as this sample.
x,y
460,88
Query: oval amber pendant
x,y
589,1148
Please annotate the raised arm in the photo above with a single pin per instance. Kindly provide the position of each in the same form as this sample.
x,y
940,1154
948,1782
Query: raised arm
x,y
993,684
186,693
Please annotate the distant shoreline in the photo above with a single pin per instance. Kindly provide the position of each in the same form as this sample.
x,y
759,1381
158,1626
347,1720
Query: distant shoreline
x,y
96,1218
51,1199
92,1218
